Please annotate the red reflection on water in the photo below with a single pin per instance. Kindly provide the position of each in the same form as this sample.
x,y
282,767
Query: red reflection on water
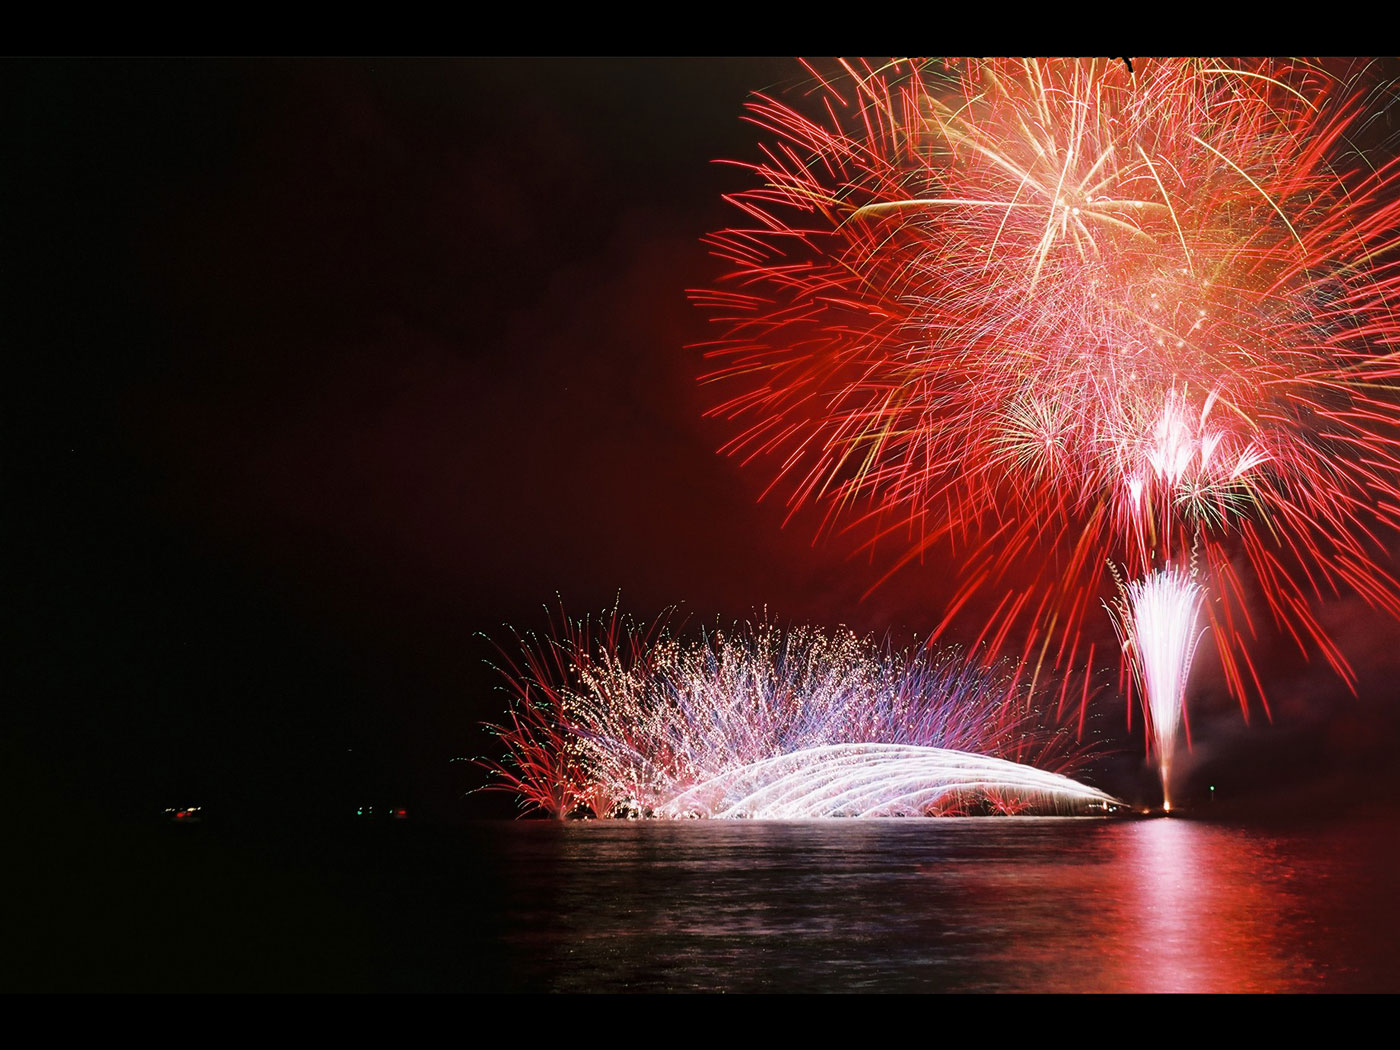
x,y
994,905
1206,915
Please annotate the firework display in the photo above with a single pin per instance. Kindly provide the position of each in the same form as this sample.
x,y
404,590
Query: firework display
x,y
881,780
1156,622
610,718
1030,315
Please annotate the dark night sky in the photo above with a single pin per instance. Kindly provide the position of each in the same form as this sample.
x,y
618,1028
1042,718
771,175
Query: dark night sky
x,y
320,367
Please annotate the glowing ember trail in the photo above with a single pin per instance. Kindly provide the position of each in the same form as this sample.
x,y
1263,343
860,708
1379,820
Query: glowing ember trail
x,y
612,719
1156,623
1024,315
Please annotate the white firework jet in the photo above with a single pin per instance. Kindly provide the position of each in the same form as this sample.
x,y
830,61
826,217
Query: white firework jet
x,y
1155,619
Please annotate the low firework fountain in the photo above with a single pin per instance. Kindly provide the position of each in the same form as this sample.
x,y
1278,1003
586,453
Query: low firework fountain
x,y
880,780
1156,623
612,719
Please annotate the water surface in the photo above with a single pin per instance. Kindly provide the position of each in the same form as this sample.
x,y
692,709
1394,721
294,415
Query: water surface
x,y
989,905
955,905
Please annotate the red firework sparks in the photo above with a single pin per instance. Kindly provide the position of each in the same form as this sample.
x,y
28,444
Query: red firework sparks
x,y
1055,312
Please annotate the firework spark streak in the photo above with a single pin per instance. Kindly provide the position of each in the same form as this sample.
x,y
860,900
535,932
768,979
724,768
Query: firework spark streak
x,y
755,721
1031,314
1156,621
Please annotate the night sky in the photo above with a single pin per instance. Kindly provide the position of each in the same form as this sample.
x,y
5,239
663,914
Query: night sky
x,y
321,368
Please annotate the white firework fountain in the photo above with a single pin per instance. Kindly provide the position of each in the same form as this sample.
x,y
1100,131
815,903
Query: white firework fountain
x,y
1156,623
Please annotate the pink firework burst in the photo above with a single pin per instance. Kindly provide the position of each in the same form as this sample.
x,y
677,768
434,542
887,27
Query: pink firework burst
x,y
1046,313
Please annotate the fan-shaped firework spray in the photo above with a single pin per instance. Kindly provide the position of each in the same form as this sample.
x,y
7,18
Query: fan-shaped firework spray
x,y
614,718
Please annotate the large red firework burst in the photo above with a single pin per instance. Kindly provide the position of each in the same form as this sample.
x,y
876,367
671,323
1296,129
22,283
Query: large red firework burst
x,y
1048,313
